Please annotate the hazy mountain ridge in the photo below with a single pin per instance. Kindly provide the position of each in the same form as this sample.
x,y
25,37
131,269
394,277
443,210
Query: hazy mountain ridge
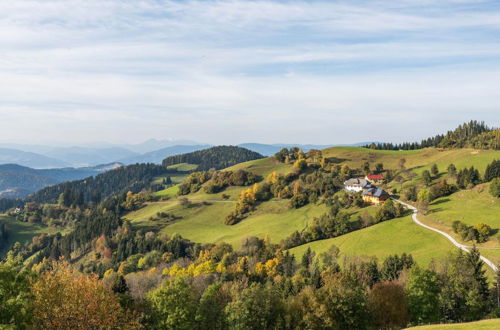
x,y
271,149
150,151
20,181
30,159
157,156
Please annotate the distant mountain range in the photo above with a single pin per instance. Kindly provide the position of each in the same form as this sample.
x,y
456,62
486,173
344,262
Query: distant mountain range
x,y
157,156
31,159
271,149
151,151
19,181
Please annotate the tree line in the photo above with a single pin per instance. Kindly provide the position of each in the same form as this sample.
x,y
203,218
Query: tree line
x,y
96,189
473,134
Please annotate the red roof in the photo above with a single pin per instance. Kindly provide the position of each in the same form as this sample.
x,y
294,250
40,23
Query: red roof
x,y
375,177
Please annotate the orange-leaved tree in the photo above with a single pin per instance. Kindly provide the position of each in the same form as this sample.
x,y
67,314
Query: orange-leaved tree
x,y
67,299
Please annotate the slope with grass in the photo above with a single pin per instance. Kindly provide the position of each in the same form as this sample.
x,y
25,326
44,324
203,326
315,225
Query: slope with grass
x,y
21,232
471,207
492,324
203,221
390,237
417,160
262,167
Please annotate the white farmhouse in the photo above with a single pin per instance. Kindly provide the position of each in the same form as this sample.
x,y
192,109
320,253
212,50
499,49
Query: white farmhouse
x,y
356,184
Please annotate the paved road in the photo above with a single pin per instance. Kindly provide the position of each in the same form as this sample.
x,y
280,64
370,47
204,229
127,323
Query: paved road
x,y
451,239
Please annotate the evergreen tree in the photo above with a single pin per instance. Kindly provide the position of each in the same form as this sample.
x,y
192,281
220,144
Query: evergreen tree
x,y
426,177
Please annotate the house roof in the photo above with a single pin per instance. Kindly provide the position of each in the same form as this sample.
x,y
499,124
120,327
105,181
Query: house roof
x,y
375,192
375,177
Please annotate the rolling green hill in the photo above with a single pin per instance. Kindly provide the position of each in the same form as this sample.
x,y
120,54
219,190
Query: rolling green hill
x,y
417,160
390,237
203,221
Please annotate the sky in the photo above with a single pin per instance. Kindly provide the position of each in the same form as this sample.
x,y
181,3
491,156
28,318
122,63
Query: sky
x,y
227,72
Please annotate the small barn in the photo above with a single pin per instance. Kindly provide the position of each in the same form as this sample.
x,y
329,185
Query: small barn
x,y
375,178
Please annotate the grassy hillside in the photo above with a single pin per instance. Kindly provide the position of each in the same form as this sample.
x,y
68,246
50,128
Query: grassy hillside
x,y
262,167
21,232
417,160
183,167
468,206
203,221
479,325
390,237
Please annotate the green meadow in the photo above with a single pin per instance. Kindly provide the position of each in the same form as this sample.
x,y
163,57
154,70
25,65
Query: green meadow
x,y
387,238
492,324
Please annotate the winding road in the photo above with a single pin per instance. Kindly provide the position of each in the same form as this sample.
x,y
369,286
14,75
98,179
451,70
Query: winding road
x,y
451,239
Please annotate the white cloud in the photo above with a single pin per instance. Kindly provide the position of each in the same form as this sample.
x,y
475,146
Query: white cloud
x,y
235,71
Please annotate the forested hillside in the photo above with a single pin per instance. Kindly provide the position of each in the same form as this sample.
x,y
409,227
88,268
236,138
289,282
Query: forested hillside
x,y
473,134
95,189
19,181
216,157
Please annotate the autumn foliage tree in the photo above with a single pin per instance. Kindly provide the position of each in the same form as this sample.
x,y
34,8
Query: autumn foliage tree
x,y
67,299
387,304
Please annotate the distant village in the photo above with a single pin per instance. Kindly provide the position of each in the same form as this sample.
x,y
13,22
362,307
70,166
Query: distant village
x,y
371,193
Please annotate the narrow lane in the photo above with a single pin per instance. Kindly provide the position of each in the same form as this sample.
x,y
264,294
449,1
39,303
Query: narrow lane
x,y
451,239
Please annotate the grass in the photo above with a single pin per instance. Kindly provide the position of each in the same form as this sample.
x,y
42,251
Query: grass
x,y
492,324
178,178
468,206
170,191
390,237
263,167
183,167
471,207
418,160
205,223
21,232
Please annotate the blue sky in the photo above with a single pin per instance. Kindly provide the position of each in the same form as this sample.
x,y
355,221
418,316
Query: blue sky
x,y
246,71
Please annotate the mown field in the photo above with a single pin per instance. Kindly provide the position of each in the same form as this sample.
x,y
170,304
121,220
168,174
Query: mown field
x,y
492,324
263,167
417,160
471,206
381,240
183,167
204,222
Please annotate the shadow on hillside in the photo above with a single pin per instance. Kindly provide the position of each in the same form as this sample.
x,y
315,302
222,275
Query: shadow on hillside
x,y
438,176
441,201
439,209
336,160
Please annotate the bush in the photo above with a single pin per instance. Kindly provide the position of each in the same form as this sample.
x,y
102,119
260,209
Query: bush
x,y
495,187
480,232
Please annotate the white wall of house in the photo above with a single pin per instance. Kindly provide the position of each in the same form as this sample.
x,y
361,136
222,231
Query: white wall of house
x,y
353,188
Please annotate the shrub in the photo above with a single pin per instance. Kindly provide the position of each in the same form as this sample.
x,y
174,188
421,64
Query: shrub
x,y
495,187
